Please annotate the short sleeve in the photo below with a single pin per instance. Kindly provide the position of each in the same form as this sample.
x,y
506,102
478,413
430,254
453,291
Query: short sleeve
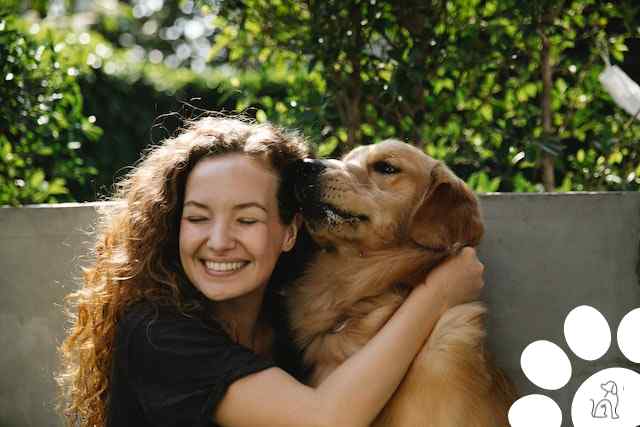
x,y
180,368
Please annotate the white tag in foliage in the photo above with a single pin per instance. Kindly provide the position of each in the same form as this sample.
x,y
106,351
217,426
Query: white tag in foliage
x,y
624,91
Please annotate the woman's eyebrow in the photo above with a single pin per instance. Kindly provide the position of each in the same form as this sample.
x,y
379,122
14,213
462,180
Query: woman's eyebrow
x,y
250,205
236,207
196,204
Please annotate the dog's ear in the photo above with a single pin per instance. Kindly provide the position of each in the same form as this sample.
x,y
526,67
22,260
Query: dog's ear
x,y
448,213
610,387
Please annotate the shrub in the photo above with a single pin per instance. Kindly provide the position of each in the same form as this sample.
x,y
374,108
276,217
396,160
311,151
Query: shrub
x,y
42,126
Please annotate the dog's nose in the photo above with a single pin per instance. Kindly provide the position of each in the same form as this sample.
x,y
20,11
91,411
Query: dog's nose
x,y
302,177
305,171
308,169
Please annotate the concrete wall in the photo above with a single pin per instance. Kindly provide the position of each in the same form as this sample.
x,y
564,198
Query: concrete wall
x,y
40,249
545,254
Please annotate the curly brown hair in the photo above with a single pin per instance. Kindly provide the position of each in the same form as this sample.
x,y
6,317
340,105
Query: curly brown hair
x,y
136,257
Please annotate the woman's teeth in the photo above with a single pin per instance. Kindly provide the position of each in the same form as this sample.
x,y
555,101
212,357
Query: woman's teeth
x,y
224,266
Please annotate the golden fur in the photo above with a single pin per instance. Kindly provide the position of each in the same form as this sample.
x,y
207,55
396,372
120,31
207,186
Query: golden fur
x,y
384,216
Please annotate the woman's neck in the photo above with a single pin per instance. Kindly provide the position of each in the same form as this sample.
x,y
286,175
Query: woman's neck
x,y
241,316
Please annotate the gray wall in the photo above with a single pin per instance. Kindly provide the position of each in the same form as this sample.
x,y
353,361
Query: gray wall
x,y
549,253
40,248
545,254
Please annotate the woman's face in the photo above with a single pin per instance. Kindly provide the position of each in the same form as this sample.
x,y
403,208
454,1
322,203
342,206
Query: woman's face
x,y
230,231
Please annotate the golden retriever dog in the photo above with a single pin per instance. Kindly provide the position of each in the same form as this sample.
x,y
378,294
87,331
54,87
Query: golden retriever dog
x,y
383,217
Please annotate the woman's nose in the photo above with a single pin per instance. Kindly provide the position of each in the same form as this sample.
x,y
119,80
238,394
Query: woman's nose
x,y
221,237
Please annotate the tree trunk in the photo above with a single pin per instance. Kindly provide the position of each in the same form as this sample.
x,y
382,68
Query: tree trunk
x,y
349,101
547,161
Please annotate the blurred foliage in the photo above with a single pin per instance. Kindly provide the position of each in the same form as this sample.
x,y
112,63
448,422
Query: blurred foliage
x,y
42,126
461,79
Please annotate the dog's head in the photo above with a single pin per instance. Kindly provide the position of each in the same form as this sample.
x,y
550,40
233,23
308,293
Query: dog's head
x,y
609,387
385,195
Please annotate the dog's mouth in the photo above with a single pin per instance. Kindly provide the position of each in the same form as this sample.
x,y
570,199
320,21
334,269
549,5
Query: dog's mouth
x,y
339,216
326,214
303,185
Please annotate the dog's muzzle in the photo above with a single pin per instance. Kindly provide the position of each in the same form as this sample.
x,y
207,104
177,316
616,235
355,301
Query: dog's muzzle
x,y
301,182
305,176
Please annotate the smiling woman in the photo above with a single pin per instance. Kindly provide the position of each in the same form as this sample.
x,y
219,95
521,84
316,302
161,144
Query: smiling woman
x,y
190,245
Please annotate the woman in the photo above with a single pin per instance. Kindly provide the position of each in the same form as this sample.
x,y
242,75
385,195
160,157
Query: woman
x,y
173,324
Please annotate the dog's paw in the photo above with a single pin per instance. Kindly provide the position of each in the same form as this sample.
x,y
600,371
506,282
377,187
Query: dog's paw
x,y
609,397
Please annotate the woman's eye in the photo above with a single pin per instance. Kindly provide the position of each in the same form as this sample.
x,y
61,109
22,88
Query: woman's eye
x,y
385,168
196,218
247,221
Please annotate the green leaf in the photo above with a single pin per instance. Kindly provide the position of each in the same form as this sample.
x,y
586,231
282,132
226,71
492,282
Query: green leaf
x,y
37,178
486,111
261,116
57,187
327,147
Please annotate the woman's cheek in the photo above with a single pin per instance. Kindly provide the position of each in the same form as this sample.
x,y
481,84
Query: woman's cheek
x,y
188,234
256,238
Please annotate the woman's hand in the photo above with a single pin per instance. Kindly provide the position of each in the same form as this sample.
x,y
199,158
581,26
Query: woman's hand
x,y
458,279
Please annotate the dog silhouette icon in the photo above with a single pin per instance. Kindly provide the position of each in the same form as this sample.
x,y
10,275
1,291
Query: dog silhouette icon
x,y
607,407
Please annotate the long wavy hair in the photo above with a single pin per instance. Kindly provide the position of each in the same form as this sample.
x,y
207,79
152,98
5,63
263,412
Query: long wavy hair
x,y
136,256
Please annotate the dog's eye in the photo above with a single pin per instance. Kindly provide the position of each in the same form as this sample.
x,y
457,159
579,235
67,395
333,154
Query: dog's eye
x,y
385,168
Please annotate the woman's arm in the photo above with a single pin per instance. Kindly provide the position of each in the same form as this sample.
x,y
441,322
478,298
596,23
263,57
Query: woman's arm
x,y
356,391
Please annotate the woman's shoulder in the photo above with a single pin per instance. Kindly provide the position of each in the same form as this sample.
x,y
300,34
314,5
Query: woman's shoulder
x,y
146,312
147,322
137,312
154,338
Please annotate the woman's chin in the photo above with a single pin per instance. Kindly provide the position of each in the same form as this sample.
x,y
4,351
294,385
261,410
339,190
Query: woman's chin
x,y
224,285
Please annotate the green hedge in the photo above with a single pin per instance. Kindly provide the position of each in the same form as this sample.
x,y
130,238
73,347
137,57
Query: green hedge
x,y
42,125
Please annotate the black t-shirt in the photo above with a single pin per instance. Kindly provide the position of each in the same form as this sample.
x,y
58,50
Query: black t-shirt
x,y
172,370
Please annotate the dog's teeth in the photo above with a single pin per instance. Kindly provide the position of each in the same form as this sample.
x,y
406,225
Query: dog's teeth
x,y
333,217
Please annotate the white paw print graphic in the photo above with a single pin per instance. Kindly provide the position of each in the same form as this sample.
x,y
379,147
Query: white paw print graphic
x,y
608,398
